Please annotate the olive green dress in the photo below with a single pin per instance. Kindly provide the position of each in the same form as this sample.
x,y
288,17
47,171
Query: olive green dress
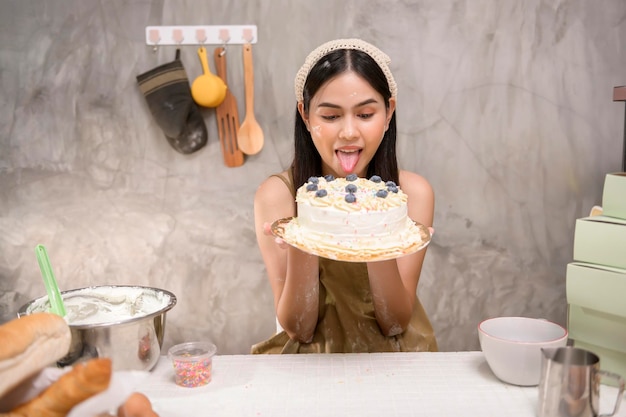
x,y
346,321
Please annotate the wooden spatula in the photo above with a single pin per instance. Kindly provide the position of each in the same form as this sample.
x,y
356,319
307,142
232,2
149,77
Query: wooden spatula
x,y
250,135
227,117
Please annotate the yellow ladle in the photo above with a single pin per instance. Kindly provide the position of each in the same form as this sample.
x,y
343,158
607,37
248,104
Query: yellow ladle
x,y
208,90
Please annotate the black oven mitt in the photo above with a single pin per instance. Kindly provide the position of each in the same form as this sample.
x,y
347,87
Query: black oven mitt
x,y
166,89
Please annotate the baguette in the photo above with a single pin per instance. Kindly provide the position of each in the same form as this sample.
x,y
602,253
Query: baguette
x,y
85,380
29,344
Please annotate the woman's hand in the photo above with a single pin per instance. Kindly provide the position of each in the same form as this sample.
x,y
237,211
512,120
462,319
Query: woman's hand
x,y
267,230
136,405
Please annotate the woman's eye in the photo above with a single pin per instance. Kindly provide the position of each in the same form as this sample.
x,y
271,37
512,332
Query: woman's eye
x,y
330,117
366,115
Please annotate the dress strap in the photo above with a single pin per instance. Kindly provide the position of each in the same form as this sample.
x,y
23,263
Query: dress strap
x,y
288,182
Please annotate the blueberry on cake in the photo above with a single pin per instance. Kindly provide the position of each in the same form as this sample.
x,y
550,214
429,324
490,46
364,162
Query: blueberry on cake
x,y
353,217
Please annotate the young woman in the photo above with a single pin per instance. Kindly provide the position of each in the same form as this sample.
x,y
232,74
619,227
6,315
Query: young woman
x,y
345,124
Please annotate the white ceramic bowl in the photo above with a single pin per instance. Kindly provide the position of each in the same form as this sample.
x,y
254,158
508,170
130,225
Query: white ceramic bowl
x,y
512,346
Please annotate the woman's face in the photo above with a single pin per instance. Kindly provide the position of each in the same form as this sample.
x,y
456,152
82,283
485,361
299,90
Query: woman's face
x,y
347,119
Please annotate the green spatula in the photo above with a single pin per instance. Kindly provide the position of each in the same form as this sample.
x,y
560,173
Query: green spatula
x,y
54,295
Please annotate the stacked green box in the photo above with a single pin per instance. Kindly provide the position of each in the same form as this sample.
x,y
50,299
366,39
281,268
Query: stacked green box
x,y
596,296
596,280
601,240
614,195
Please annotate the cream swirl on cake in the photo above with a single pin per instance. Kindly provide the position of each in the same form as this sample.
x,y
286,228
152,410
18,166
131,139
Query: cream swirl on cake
x,y
353,218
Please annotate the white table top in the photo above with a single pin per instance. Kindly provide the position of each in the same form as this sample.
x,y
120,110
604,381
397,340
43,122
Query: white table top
x,y
376,384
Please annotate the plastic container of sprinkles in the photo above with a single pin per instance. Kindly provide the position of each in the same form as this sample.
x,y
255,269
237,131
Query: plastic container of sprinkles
x,y
192,362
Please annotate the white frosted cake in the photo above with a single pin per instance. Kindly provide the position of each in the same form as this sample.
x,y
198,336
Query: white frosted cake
x,y
353,218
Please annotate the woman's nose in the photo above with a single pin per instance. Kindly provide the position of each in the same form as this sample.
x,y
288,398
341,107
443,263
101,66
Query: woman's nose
x,y
348,129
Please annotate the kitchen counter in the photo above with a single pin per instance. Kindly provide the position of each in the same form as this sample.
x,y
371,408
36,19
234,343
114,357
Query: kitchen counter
x,y
375,384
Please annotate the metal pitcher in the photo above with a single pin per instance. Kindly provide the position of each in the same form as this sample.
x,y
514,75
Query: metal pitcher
x,y
570,384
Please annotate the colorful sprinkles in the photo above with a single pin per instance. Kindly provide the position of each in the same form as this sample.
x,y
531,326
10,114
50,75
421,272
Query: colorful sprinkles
x,y
192,373
193,363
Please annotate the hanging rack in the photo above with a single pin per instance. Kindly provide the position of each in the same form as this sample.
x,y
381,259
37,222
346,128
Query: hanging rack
x,y
200,35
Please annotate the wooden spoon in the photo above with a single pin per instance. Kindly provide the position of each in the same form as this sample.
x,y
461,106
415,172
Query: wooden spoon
x,y
227,117
208,90
250,135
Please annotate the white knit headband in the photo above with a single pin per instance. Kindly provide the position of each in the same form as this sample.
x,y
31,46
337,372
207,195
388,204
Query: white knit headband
x,y
377,55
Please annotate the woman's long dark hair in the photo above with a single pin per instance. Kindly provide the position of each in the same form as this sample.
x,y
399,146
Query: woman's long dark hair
x,y
307,162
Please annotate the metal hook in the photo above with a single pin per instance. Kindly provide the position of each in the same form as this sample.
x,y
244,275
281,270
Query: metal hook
x,y
248,36
225,38
201,36
155,37
177,36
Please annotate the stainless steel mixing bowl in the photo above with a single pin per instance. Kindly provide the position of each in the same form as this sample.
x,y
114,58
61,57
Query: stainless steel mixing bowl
x,y
132,344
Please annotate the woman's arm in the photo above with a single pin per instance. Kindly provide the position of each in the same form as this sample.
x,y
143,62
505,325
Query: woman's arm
x,y
394,283
293,274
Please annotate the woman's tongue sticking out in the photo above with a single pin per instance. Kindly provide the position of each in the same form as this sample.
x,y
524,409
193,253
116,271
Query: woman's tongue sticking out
x,y
348,159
